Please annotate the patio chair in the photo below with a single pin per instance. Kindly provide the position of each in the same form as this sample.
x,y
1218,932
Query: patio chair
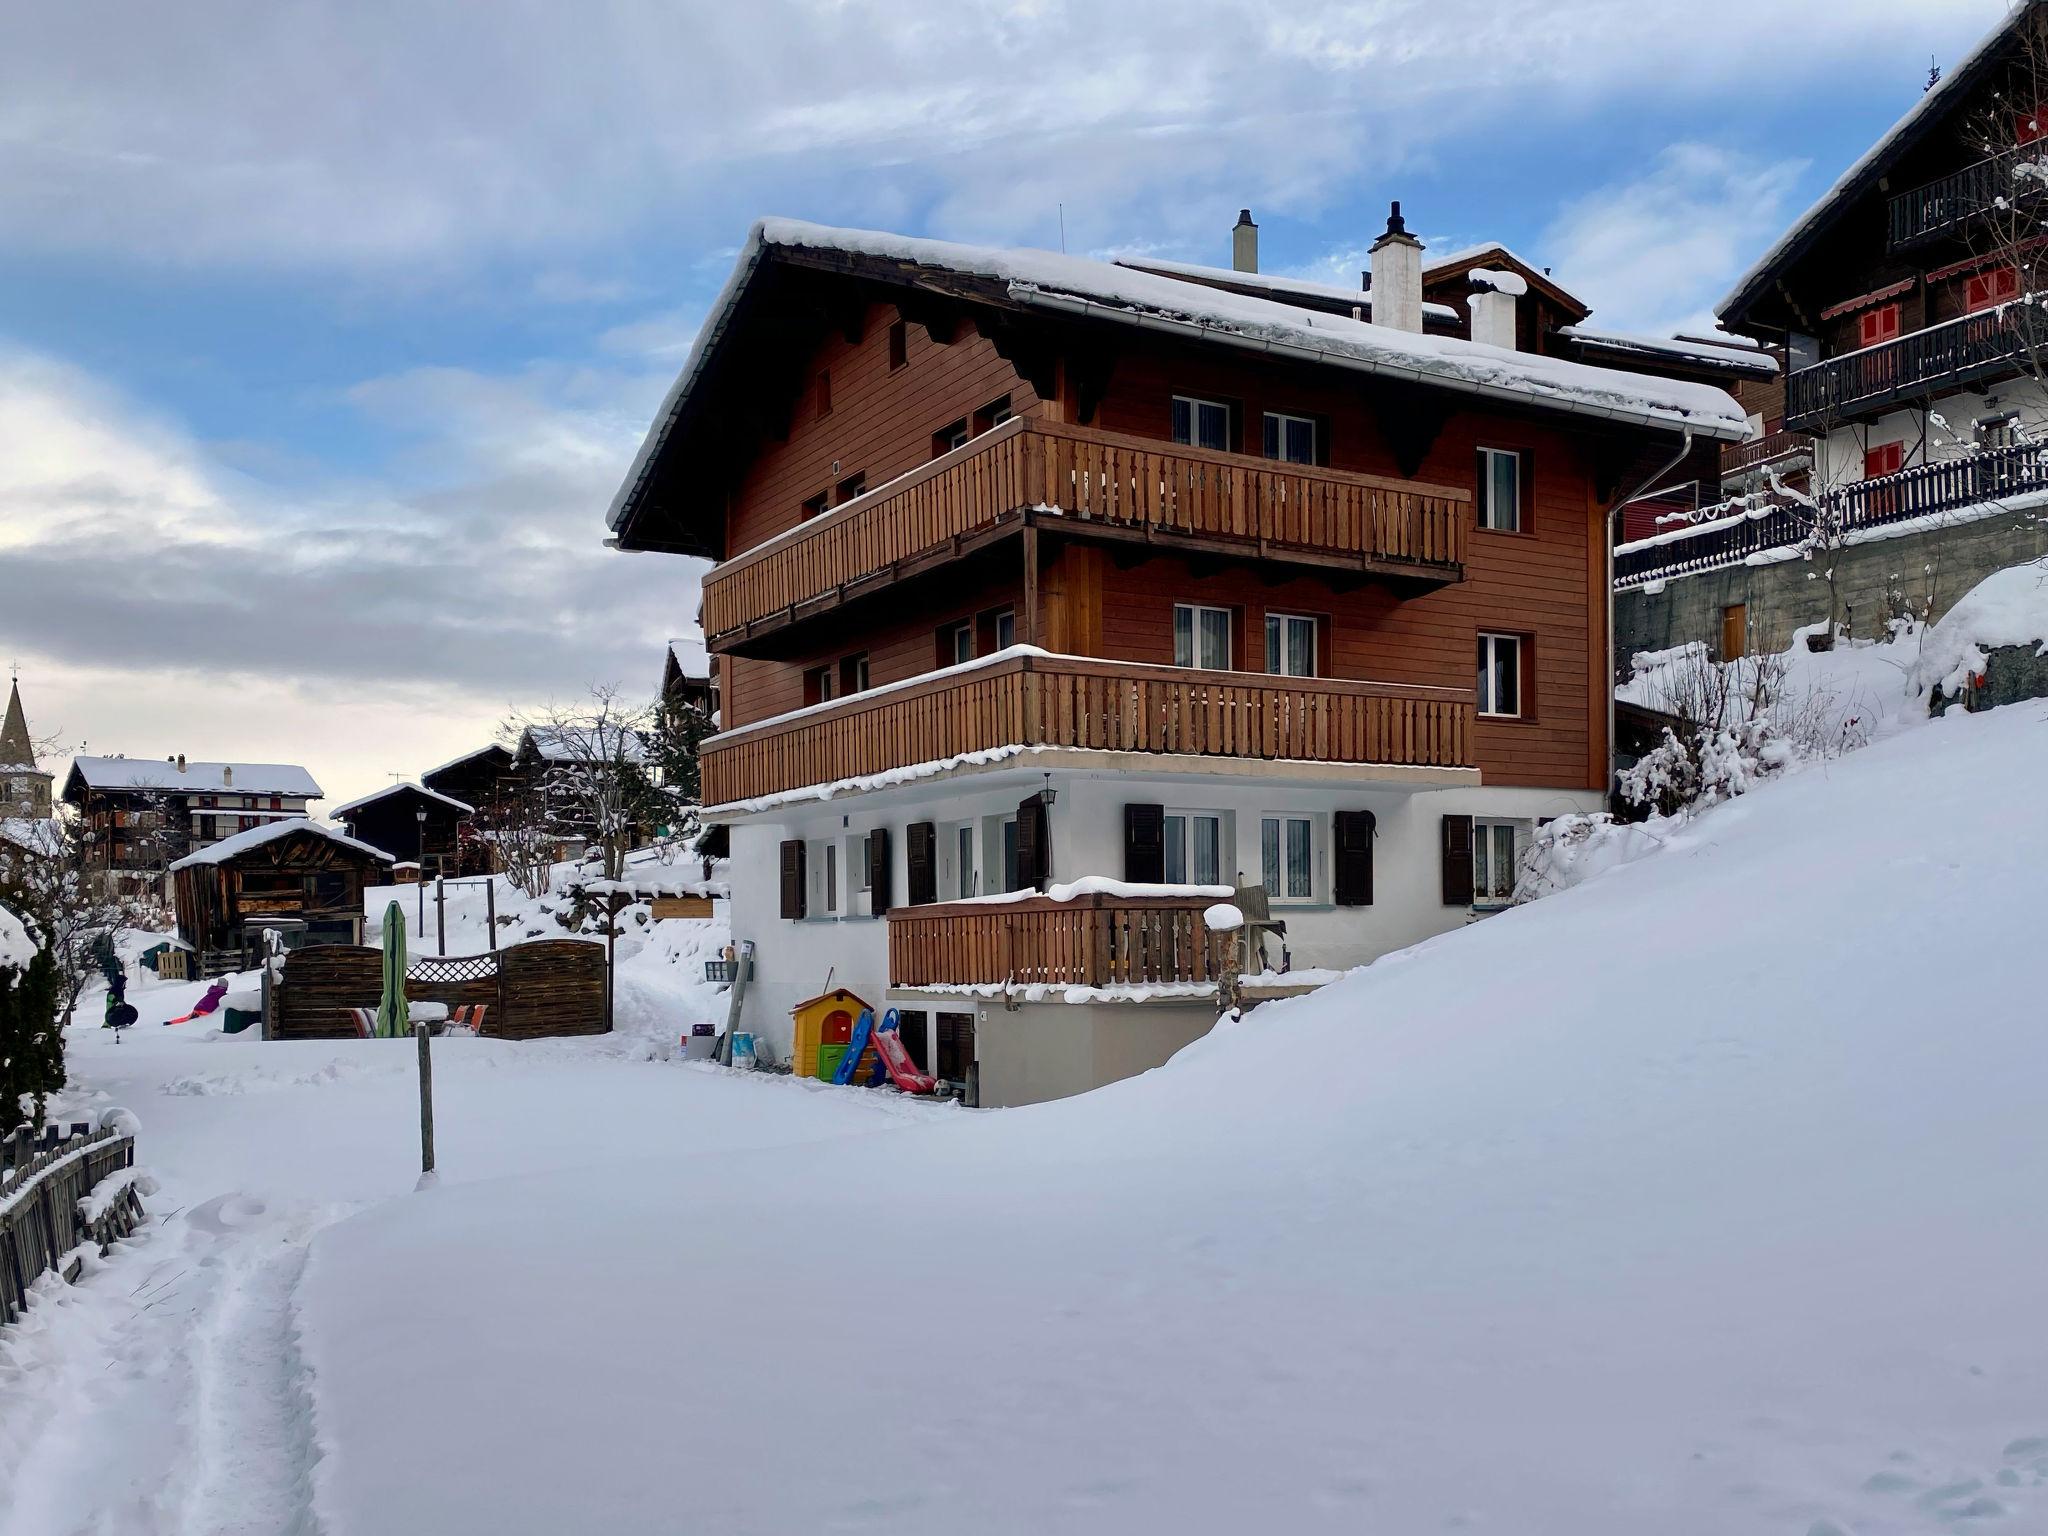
x,y
365,1020
1257,907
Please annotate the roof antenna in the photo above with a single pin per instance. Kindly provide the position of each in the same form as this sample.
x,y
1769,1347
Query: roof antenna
x,y
1063,229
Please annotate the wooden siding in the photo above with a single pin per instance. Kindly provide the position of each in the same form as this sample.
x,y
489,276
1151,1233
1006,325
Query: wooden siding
x,y
1091,477
1091,941
1065,701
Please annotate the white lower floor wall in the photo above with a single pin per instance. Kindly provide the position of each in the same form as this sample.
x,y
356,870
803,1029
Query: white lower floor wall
x,y
1230,829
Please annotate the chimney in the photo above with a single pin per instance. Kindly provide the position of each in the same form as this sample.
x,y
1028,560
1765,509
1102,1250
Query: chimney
x,y
1397,277
227,773
1244,243
1493,305
181,762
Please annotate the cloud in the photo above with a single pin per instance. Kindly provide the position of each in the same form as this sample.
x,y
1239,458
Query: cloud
x,y
473,577
667,334
1655,252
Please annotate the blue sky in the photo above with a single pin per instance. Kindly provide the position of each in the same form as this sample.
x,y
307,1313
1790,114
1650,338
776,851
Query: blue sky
x,y
326,332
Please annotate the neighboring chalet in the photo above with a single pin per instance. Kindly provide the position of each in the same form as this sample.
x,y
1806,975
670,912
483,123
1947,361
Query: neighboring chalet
x,y
302,878
24,787
1907,305
142,815
1054,600
687,676
480,779
412,824
556,763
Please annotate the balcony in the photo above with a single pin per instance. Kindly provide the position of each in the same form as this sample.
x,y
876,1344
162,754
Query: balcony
x,y
1025,699
1078,482
1939,207
1982,479
1936,360
1089,941
1779,450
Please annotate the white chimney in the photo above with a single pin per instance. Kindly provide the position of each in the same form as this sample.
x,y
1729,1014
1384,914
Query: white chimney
x,y
227,773
181,762
1244,243
1397,277
1493,304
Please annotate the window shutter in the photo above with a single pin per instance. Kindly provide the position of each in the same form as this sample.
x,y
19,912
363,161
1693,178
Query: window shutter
x,y
793,878
1034,858
920,853
878,871
1145,844
1354,832
1457,851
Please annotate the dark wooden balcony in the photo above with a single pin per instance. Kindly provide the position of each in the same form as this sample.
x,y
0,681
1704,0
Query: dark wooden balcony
x,y
1078,483
1090,941
1027,699
1945,205
1773,448
1930,362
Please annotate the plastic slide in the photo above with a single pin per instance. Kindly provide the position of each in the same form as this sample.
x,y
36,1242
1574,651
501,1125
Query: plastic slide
x,y
863,1031
205,1004
896,1059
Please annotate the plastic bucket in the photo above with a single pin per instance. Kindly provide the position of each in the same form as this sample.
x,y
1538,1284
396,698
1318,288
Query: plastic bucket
x,y
743,1050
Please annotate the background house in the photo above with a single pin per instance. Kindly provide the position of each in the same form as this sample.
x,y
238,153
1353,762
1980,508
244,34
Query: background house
x,y
412,824
305,878
142,815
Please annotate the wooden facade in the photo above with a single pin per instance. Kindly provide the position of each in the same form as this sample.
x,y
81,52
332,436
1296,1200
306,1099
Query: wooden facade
x,y
303,874
409,825
1090,941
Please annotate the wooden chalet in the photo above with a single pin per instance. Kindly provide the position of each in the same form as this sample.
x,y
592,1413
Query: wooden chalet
x,y
411,823
306,877
143,813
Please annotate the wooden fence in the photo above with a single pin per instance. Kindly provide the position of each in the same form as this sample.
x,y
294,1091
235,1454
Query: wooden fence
x,y
1069,701
47,1213
1091,941
1100,477
545,987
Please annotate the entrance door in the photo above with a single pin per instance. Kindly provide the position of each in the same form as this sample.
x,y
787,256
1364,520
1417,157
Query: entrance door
x,y
1734,631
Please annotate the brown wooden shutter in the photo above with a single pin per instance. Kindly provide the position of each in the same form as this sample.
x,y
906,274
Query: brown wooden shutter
x,y
1034,858
878,871
920,853
1145,844
793,878
1457,850
1354,858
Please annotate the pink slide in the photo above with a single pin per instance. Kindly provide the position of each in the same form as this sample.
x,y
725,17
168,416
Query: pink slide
x,y
902,1070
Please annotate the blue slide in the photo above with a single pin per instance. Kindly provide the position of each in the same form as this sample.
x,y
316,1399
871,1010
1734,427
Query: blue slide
x,y
863,1027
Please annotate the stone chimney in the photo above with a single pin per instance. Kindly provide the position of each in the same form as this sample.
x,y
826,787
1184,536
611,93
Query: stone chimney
x,y
227,774
181,762
1397,277
1244,243
1494,300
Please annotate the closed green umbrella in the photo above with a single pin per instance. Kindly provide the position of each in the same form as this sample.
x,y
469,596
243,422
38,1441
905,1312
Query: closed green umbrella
x,y
391,1014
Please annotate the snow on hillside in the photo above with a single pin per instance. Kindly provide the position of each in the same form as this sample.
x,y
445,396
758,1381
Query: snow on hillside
x,y
1702,1198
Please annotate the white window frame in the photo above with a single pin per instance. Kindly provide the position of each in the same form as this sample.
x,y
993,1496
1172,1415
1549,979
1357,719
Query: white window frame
x,y
1195,612
1489,512
1279,422
1196,405
963,640
1005,626
1276,662
1283,820
861,684
955,877
1487,836
822,861
1489,645
1179,833
959,436
859,896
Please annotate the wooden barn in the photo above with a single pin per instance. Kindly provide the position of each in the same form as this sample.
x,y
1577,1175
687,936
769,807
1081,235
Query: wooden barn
x,y
301,875
409,822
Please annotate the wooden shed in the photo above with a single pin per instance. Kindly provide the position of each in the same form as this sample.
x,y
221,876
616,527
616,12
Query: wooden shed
x,y
296,872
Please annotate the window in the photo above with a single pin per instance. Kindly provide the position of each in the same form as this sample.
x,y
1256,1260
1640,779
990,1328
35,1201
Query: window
x,y
947,438
814,506
852,486
1500,490
956,644
829,869
963,860
1006,839
1290,438
1985,290
1006,628
1500,675
992,415
1194,848
821,685
1290,645
853,674
860,896
1884,459
1286,845
1201,637
1494,863
1874,327
899,345
825,392
1201,423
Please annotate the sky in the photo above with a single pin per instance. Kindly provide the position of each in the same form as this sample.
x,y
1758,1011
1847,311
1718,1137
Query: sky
x,y
327,331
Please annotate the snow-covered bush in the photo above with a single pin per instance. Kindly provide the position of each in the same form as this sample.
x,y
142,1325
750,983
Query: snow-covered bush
x,y
31,1035
1729,738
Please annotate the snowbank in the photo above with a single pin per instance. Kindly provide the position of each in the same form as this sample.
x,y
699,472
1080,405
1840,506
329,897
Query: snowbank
x,y
2009,607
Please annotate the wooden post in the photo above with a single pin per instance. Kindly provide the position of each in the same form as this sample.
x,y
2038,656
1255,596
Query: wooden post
x,y
491,908
426,1099
1030,542
441,914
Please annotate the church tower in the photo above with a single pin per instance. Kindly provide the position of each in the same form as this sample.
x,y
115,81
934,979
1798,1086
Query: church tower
x,y
24,788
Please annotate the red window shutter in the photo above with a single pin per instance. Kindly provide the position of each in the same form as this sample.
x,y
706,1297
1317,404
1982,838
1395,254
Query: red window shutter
x,y
1880,325
2028,126
1884,459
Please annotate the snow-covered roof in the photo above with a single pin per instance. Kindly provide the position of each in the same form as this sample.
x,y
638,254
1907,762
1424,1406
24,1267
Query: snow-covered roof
x,y
1707,353
576,744
401,788
1947,92
467,757
690,657
205,778
1437,266
1100,290
1274,286
231,847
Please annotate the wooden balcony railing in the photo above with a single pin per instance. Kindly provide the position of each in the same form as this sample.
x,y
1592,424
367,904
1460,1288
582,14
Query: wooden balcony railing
x,y
1090,941
1332,516
1950,201
1771,448
1024,698
1942,357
